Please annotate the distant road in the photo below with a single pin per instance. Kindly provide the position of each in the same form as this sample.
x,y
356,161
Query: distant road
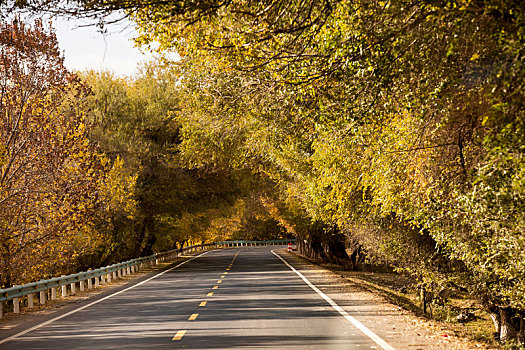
x,y
229,298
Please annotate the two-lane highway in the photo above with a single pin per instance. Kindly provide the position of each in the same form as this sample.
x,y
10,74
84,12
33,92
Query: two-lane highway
x,y
229,298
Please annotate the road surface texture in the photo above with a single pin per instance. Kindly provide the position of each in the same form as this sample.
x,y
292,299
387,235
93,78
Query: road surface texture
x,y
250,297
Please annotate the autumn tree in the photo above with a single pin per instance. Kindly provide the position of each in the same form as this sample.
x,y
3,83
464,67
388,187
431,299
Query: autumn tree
x,y
52,181
136,120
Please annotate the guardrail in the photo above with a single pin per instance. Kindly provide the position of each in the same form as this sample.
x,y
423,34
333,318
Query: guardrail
x,y
252,243
47,289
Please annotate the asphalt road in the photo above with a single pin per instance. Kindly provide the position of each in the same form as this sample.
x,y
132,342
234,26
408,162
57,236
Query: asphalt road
x,y
229,298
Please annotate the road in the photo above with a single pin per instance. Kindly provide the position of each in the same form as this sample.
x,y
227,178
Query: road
x,y
229,298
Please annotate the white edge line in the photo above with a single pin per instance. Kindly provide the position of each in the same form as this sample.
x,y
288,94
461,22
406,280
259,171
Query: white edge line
x,y
5,340
352,320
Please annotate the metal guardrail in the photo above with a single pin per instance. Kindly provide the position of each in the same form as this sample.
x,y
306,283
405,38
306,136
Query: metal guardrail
x,y
254,243
108,273
92,277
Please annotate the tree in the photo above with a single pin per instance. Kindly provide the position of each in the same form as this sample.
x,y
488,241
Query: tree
x,y
136,120
50,175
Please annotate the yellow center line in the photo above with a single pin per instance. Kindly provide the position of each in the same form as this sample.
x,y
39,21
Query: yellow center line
x,y
228,269
193,317
209,294
179,335
223,276
215,287
219,281
203,303
225,273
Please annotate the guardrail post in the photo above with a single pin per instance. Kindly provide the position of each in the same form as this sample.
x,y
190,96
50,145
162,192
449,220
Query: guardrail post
x,y
90,283
64,290
128,270
97,281
119,273
54,293
103,279
16,305
82,285
132,268
1,309
108,277
30,302
73,288
114,273
42,297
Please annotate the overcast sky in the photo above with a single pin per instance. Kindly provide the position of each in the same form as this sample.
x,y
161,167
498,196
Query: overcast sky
x,y
86,48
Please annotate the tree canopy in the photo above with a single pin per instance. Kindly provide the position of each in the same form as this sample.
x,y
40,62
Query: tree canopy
x,y
400,122
391,127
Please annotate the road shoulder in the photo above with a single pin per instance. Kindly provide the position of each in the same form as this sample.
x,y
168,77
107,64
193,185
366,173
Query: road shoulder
x,y
400,328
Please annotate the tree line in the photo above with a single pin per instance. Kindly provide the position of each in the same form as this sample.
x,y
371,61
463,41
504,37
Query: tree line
x,y
89,167
391,131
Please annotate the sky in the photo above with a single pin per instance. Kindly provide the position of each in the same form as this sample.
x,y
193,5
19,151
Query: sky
x,y
86,48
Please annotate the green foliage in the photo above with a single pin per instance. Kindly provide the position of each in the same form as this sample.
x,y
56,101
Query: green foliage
x,y
136,122
400,121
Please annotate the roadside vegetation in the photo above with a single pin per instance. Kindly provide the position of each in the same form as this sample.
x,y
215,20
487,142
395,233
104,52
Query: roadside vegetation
x,y
385,133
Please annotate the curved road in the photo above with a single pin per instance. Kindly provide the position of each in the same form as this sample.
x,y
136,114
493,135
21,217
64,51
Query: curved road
x,y
229,298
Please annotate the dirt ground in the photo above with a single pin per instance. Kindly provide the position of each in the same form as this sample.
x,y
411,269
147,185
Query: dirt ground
x,y
385,310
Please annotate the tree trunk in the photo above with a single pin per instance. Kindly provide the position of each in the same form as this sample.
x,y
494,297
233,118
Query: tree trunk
x,y
494,315
521,332
508,329
336,252
426,300
148,246
141,233
300,245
